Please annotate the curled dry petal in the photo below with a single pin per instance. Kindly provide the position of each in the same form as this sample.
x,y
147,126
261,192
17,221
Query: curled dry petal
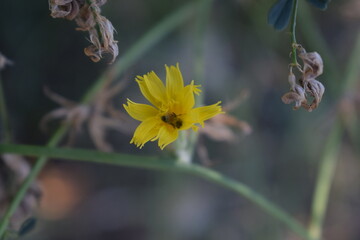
x,y
313,64
296,95
88,18
103,41
68,9
316,89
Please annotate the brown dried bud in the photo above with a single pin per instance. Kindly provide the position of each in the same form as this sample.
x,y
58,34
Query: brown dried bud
x,y
67,9
103,43
297,95
88,18
313,64
316,89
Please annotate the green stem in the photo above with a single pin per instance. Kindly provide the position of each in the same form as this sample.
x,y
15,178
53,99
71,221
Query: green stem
x,y
4,118
155,163
138,49
332,146
186,143
324,179
293,33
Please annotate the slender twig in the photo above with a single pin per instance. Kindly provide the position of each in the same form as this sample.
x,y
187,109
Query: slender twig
x,y
330,154
324,179
138,49
156,163
293,33
4,118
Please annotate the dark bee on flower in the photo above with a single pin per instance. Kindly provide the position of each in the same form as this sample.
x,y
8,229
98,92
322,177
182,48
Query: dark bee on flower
x,y
172,119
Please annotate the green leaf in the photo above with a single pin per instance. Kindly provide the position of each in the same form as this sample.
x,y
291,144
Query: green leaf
x,y
280,13
322,4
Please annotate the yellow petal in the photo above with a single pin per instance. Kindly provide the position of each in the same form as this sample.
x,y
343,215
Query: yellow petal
x,y
146,131
188,120
139,111
174,81
152,88
167,134
201,114
187,101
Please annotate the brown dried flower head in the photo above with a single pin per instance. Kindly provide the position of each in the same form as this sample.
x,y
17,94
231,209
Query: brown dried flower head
x,y
308,86
86,14
99,115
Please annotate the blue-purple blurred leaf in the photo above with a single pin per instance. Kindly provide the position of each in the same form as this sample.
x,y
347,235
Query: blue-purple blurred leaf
x,y
322,4
27,226
279,14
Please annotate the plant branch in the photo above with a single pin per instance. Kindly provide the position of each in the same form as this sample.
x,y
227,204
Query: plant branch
x,y
293,33
138,49
155,163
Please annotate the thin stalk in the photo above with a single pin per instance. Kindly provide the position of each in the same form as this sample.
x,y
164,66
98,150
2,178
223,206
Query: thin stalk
x,y
156,163
4,116
293,34
186,143
138,49
331,149
324,180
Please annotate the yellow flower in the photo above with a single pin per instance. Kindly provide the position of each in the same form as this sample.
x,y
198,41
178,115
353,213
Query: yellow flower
x,y
172,108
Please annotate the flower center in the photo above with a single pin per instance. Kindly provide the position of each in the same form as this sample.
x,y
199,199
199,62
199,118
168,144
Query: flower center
x,y
172,119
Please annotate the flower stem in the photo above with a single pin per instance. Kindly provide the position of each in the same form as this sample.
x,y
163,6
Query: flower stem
x,y
4,118
324,179
156,163
186,143
293,35
135,52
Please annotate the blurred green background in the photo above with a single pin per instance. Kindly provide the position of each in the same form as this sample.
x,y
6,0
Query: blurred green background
x,y
279,159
